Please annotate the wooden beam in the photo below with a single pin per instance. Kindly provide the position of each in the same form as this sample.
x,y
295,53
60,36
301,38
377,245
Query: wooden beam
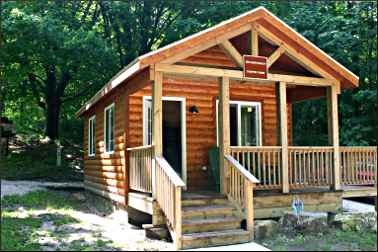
x,y
248,189
157,122
238,75
232,52
224,127
275,55
333,134
292,53
203,46
284,138
254,42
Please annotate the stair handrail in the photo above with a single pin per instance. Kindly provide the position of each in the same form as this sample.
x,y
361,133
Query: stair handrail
x,y
168,195
242,196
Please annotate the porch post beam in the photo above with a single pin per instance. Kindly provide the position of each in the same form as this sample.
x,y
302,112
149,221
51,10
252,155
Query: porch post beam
x,y
224,128
157,122
283,134
333,133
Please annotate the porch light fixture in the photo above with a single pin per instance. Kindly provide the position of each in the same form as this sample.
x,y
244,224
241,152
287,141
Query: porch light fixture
x,y
193,109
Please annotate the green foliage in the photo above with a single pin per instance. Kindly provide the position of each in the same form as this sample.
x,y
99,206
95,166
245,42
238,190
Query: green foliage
x,y
65,51
38,162
21,223
328,240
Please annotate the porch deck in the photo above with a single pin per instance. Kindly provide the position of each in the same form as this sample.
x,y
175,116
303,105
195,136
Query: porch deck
x,y
271,203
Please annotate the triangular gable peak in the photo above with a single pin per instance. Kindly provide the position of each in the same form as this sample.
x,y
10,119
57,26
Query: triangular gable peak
x,y
217,56
236,37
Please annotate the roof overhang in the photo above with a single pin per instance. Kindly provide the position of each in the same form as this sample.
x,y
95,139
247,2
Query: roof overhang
x,y
260,16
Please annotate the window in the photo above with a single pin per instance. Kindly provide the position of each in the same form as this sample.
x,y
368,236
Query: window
x,y
245,123
92,136
147,120
109,129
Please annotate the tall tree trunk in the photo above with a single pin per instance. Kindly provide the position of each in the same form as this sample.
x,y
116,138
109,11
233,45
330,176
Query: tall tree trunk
x,y
52,118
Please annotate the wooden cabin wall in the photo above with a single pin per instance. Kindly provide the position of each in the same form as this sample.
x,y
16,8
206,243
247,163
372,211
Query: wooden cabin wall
x,y
201,127
105,174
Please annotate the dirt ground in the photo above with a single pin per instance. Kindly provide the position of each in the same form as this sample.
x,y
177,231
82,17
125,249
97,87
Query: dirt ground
x,y
73,224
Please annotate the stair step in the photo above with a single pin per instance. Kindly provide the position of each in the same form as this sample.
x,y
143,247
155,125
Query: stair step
x,y
217,238
205,195
208,211
213,224
204,201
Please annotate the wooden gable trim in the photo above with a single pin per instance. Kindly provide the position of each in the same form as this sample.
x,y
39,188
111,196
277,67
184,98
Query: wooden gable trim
x,y
320,56
226,28
206,45
232,52
237,74
275,55
297,56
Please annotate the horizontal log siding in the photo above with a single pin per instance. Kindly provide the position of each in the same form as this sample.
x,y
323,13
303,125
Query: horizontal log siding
x,y
104,174
201,127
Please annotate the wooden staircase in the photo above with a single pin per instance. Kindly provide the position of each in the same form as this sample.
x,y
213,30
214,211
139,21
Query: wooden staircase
x,y
208,219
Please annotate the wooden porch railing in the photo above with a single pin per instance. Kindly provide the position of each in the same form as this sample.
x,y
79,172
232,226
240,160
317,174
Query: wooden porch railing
x,y
140,168
264,162
239,188
358,165
168,195
310,166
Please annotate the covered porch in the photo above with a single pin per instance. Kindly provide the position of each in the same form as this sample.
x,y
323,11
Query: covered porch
x,y
259,181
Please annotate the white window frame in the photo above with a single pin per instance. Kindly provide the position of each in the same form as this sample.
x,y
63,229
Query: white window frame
x,y
239,104
182,101
111,106
92,134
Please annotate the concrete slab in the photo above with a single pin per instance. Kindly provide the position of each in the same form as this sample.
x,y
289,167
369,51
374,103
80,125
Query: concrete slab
x,y
250,246
357,207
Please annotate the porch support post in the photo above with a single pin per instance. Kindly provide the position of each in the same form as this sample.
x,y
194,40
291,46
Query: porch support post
x,y
333,132
283,134
224,128
157,122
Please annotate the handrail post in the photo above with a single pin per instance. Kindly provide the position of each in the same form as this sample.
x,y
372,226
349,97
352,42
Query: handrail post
x,y
248,187
178,228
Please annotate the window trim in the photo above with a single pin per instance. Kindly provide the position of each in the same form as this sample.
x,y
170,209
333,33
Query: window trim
x,y
92,119
105,110
239,104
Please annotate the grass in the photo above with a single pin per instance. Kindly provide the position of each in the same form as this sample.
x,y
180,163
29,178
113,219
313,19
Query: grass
x,y
23,217
38,162
330,240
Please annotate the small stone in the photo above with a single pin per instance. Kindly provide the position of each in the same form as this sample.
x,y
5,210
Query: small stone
x,y
265,228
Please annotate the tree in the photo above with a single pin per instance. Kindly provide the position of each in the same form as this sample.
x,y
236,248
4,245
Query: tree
x,y
49,59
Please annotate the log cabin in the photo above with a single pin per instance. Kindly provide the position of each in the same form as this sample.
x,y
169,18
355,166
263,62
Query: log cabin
x,y
151,132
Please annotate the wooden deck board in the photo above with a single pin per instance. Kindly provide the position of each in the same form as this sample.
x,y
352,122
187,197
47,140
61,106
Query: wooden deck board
x,y
359,191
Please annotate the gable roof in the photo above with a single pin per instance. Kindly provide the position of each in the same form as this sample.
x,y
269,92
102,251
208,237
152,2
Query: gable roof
x,y
262,17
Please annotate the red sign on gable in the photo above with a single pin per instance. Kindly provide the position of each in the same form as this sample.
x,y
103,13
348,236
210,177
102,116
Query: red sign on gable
x,y
255,67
